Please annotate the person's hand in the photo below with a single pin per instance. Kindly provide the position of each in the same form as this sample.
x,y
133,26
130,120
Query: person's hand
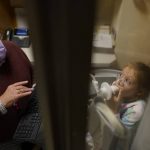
x,y
116,99
14,92
123,90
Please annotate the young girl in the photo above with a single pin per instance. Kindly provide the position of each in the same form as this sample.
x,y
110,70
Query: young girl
x,y
130,101
134,87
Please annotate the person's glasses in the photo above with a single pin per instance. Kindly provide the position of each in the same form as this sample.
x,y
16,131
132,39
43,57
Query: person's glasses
x,y
126,80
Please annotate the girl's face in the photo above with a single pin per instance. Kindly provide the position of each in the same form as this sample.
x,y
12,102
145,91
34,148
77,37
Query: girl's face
x,y
128,83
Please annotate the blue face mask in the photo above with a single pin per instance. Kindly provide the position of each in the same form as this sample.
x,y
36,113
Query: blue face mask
x,y
2,53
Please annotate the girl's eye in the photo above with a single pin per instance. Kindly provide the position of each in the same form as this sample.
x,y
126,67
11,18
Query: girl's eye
x,y
129,82
126,81
120,76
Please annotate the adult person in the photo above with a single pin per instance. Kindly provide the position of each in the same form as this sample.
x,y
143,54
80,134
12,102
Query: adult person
x,y
16,79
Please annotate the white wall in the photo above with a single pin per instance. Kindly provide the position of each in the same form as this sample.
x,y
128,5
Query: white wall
x,y
132,25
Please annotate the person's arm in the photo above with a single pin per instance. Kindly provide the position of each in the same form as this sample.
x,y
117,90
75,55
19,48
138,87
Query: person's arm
x,y
13,93
114,104
116,100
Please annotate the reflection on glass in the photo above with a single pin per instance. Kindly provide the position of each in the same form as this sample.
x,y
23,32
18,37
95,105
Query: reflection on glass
x,y
118,38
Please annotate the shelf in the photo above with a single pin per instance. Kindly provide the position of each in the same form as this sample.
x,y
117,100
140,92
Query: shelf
x,y
102,59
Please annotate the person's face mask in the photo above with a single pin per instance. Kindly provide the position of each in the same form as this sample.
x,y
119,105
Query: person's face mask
x,y
2,53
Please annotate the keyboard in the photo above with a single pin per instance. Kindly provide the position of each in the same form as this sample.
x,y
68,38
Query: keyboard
x,y
28,128
29,125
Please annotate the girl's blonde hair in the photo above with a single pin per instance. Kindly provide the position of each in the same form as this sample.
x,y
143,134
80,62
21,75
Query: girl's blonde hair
x,y
143,77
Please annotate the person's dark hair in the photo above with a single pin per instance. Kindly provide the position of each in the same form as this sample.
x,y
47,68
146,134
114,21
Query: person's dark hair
x,y
143,77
